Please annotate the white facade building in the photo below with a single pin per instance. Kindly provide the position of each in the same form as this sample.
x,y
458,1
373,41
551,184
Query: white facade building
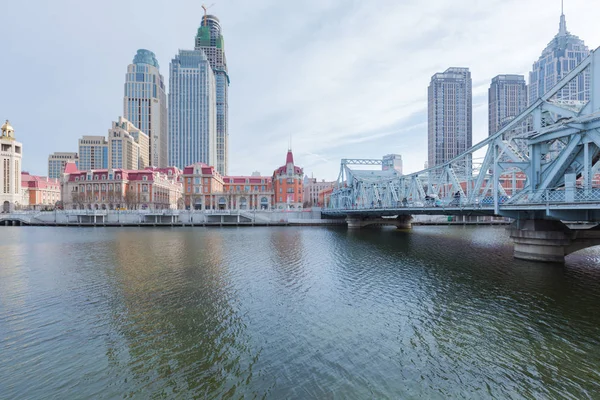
x,y
145,104
11,153
128,147
392,162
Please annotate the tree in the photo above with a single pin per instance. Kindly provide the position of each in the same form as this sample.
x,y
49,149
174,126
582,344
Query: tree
x,y
131,200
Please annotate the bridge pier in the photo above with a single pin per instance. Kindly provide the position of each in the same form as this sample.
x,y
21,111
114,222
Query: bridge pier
x,y
400,222
549,240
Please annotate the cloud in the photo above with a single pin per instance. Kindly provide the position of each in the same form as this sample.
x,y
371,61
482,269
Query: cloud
x,y
343,78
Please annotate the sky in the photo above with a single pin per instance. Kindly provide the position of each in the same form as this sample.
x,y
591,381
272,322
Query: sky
x,y
336,78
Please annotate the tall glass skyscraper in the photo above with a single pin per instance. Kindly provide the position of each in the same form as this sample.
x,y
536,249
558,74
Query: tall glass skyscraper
x,y
507,98
450,115
564,52
210,40
145,104
192,110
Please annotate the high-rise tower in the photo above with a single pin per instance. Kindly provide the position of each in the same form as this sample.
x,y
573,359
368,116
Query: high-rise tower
x,y
450,115
145,103
507,98
564,52
210,40
192,110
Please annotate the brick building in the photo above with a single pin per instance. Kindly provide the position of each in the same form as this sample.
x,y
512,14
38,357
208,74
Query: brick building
x,y
287,184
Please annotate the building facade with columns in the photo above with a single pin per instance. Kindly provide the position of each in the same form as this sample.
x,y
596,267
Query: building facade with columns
x,y
11,153
206,189
113,189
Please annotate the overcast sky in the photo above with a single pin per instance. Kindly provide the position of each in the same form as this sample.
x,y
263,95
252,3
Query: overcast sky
x,y
342,78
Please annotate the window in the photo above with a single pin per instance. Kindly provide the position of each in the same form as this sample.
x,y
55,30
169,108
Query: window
x,y
144,178
205,180
76,178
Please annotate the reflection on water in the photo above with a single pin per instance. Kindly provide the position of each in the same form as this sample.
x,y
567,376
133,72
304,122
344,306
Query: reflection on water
x,y
434,312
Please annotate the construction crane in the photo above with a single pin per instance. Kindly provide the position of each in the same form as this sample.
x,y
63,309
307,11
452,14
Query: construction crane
x,y
206,8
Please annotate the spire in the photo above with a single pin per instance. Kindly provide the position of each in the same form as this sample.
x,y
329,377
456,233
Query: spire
x,y
562,30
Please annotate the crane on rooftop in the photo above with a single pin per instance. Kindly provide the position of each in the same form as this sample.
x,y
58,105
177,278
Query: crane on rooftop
x,y
206,8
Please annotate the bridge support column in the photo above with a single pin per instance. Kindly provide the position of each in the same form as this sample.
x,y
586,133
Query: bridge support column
x,y
549,240
404,222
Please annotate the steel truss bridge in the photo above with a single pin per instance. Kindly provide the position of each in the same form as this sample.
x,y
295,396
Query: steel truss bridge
x,y
539,166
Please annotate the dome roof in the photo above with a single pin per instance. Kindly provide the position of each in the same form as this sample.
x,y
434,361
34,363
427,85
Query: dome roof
x,y
7,127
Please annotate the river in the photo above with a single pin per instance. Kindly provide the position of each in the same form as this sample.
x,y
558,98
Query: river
x,y
292,312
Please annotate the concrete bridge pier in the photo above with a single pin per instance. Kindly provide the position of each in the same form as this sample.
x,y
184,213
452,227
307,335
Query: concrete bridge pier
x,y
549,240
400,222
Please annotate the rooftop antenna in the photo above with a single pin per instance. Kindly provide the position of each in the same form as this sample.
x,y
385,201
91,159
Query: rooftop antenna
x,y
562,31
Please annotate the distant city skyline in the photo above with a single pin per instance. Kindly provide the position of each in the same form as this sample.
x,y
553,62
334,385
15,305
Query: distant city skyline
x,y
272,100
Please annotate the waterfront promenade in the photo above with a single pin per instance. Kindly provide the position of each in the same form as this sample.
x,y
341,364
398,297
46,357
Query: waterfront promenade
x,y
167,218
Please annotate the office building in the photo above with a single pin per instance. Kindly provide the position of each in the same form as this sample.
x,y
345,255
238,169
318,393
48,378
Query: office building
x,y
192,110
128,147
145,104
57,162
507,98
564,52
93,153
392,162
209,39
450,116
11,153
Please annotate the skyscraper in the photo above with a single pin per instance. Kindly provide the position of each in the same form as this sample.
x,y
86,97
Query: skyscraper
x,y
210,40
192,110
450,115
507,98
564,52
145,104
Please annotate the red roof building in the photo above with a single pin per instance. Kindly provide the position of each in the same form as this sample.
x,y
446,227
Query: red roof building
x,y
205,189
287,183
109,189
39,192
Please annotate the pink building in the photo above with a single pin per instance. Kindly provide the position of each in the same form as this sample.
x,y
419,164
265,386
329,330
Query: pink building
x,y
111,189
39,192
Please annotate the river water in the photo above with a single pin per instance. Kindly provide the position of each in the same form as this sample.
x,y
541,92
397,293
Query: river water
x,y
292,312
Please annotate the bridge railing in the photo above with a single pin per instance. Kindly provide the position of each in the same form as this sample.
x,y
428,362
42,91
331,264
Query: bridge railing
x,y
576,195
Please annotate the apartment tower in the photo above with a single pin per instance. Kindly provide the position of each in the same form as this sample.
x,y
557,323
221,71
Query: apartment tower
x,y
507,98
450,115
